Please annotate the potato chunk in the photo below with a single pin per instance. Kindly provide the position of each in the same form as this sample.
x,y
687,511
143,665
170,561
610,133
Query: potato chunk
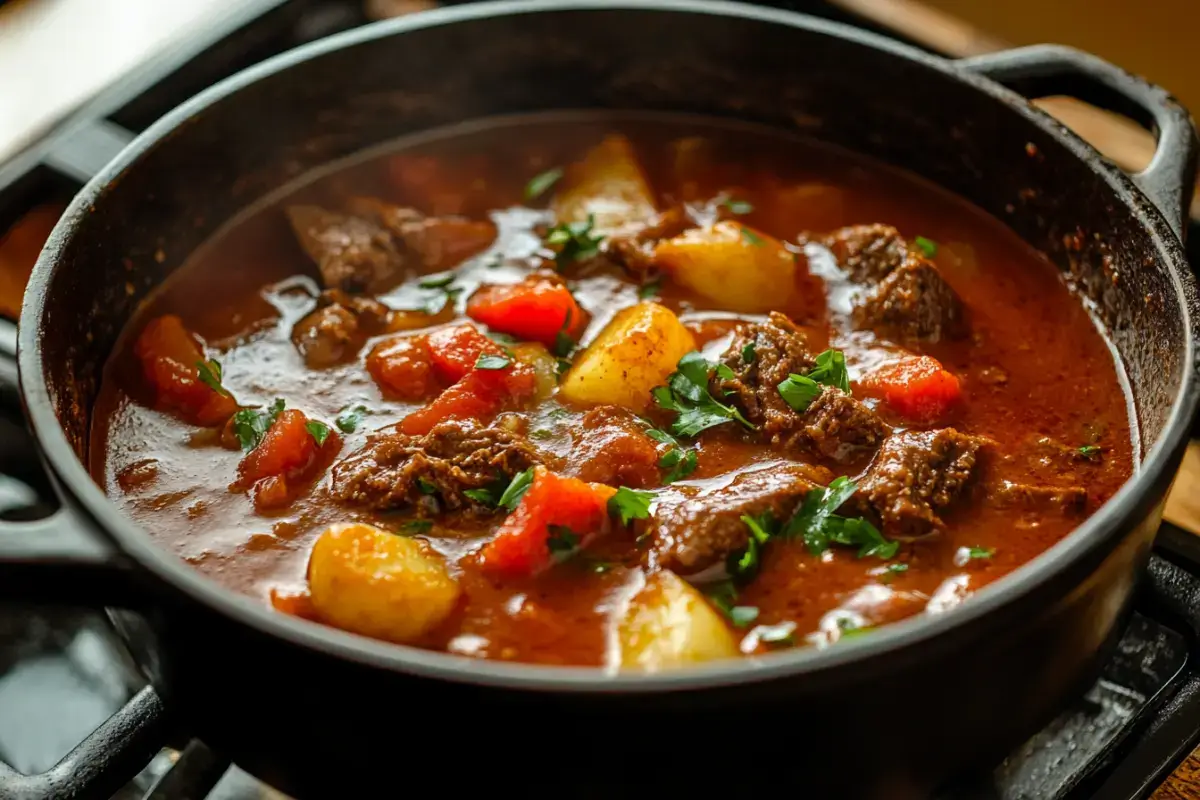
x,y
608,184
669,624
743,269
634,352
375,583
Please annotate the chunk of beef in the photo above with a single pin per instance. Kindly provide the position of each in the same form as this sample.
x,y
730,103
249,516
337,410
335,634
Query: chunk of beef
x,y
635,251
915,474
394,470
380,245
612,447
834,426
1068,500
354,254
700,530
905,295
337,328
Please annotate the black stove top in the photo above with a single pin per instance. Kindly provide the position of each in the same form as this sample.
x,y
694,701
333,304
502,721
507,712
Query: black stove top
x,y
63,673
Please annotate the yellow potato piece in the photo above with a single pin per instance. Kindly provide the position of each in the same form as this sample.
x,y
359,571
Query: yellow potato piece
x,y
742,269
669,624
372,582
609,185
634,352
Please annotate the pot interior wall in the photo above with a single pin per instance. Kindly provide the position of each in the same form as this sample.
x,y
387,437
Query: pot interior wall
x,y
145,222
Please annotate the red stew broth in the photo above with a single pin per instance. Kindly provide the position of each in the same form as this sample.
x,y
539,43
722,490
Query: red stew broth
x,y
1034,364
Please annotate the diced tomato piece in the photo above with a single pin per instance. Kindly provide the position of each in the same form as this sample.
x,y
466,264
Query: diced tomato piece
x,y
287,450
481,394
536,309
170,357
454,351
403,367
918,388
522,545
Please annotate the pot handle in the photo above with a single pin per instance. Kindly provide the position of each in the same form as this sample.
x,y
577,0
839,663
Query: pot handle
x,y
1045,70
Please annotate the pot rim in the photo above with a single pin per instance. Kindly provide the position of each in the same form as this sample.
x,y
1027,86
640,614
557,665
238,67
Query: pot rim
x,y
1102,530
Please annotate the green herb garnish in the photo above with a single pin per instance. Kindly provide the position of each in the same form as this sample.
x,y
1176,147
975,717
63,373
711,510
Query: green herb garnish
x,y
541,183
748,353
1090,451
562,541
491,362
927,246
516,489
319,431
679,463
415,526
349,420
979,552
752,238
741,616
737,206
687,393
251,425
564,345
897,567
210,376
630,504
425,487
817,524
446,292
829,369
573,241
650,289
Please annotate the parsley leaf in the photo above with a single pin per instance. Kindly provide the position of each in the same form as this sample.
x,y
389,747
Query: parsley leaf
x,y
562,541
829,369
679,462
742,565
516,489
573,241
491,362
210,376
927,246
446,292
415,526
741,616
348,421
564,345
817,524
980,552
723,595
737,206
1090,451
751,238
251,425
541,183
319,431
425,487
898,567
630,504
502,339
650,289
687,393
748,352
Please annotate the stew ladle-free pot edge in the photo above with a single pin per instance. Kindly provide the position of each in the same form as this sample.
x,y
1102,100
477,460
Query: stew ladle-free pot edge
x,y
926,698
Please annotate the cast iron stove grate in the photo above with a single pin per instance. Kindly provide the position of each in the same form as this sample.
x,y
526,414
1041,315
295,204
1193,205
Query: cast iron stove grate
x,y
62,673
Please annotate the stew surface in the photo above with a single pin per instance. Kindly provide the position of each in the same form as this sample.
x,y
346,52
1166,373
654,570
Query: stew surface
x,y
630,392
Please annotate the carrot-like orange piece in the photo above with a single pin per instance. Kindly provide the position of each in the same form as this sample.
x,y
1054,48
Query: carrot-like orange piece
x,y
171,361
288,453
403,367
537,309
557,515
917,388
455,351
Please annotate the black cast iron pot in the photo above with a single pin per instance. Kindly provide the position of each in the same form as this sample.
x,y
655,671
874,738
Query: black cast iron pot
x,y
322,713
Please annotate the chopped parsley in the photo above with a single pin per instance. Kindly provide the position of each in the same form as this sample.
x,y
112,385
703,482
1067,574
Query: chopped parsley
x,y
848,628
799,391
349,420
573,241
751,238
650,289
1090,451
491,494
425,487
630,504
679,463
416,526
437,281
251,425
687,394
980,552
564,345
446,292
562,541
742,565
817,524
492,362
741,616
210,376
541,183
737,206
516,489
723,595
319,431
898,567
502,339
927,246
748,352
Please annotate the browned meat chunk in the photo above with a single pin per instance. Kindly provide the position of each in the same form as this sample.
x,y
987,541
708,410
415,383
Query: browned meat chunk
x,y
337,328
635,252
834,426
700,530
906,295
612,447
381,245
353,254
1042,499
914,474
394,470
